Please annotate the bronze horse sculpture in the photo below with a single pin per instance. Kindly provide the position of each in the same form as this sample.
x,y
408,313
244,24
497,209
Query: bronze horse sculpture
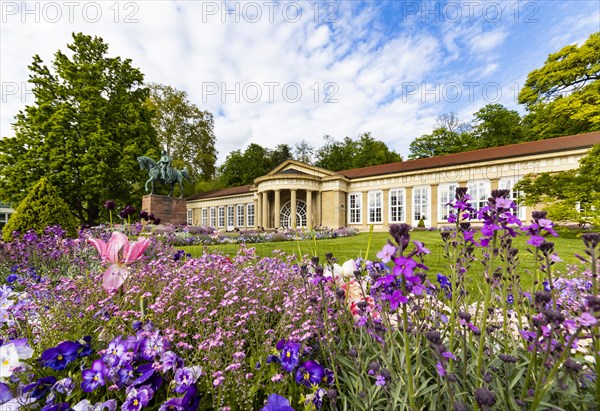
x,y
154,174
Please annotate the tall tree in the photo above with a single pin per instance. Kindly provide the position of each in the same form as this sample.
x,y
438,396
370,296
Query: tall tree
x,y
278,155
495,125
184,130
350,153
304,152
84,131
562,96
450,135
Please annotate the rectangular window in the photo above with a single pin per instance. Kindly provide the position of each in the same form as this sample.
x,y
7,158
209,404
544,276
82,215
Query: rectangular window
x,y
204,217
420,204
221,217
446,194
250,215
190,214
230,217
397,199
213,217
375,205
240,215
355,208
508,184
480,191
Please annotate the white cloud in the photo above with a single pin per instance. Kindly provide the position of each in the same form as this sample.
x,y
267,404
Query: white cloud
x,y
355,53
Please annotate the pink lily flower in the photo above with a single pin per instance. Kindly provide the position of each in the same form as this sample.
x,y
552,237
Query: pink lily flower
x,y
120,253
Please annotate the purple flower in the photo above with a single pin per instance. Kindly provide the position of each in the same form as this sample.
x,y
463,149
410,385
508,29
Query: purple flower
x,y
94,377
5,393
114,352
185,377
40,388
396,298
439,367
380,380
536,240
404,265
125,375
386,253
170,360
56,407
444,282
420,248
110,204
290,356
136,399
310,373
276,402
58,357
587,319
151,346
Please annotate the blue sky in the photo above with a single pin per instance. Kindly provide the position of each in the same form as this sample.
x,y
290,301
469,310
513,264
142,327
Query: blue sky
x,y
284,71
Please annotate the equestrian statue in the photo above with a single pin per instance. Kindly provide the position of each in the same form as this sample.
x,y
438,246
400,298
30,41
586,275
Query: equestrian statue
x,y
162,172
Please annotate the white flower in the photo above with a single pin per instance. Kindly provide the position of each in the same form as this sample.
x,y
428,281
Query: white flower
x,y
9,360
348,269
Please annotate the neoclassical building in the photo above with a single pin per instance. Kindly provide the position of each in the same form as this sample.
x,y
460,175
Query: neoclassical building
x,y
295,194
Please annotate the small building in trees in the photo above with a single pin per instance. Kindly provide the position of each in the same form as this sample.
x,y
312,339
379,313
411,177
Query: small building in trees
x,y
5,212
403,192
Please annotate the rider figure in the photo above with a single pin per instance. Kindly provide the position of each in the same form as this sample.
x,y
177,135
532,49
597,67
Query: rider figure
x,y
165,166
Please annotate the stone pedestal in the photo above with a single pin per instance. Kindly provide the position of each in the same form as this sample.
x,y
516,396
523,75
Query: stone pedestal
x,y
170,210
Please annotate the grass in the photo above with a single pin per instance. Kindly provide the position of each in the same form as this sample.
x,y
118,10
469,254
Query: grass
x,y
352,247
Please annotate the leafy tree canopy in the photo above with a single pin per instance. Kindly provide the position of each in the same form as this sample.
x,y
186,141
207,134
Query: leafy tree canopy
x,y
88,124
562,96
365,151
451,135
242,168
184,130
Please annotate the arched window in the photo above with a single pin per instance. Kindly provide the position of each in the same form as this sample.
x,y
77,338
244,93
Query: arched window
x,y
286,214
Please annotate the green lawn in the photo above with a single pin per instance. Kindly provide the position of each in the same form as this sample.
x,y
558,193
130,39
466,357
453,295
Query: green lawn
x,y
352,247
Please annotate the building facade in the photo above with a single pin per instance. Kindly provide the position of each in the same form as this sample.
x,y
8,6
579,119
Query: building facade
x,y
403,192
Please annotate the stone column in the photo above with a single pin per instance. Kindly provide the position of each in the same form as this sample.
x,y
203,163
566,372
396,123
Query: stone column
x,y
265,209
318,213
293,208
385,206
277,210
258,211
309,219
408,217
434,205
365,208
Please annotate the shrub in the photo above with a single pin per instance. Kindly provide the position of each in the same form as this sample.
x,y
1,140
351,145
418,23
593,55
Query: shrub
x,y
41,208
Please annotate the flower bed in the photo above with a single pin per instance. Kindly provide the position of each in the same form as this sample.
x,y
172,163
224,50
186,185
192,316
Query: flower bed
x,y
103,321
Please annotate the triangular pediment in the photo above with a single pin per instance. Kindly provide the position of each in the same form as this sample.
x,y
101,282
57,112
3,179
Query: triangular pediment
x,y
291,167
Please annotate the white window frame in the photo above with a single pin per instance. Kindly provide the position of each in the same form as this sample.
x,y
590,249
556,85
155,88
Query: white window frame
x,y
399,208
355,210
230,217
221,214
480,191
205,217
375,207
213,217
190,216
250,215
240,215
423,208
446,194
507,184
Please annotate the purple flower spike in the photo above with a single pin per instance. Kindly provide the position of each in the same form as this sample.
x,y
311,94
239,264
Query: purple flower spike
x,y
94,377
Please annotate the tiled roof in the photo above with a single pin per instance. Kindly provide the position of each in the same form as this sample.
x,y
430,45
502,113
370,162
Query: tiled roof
x,y
486,154
231,191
